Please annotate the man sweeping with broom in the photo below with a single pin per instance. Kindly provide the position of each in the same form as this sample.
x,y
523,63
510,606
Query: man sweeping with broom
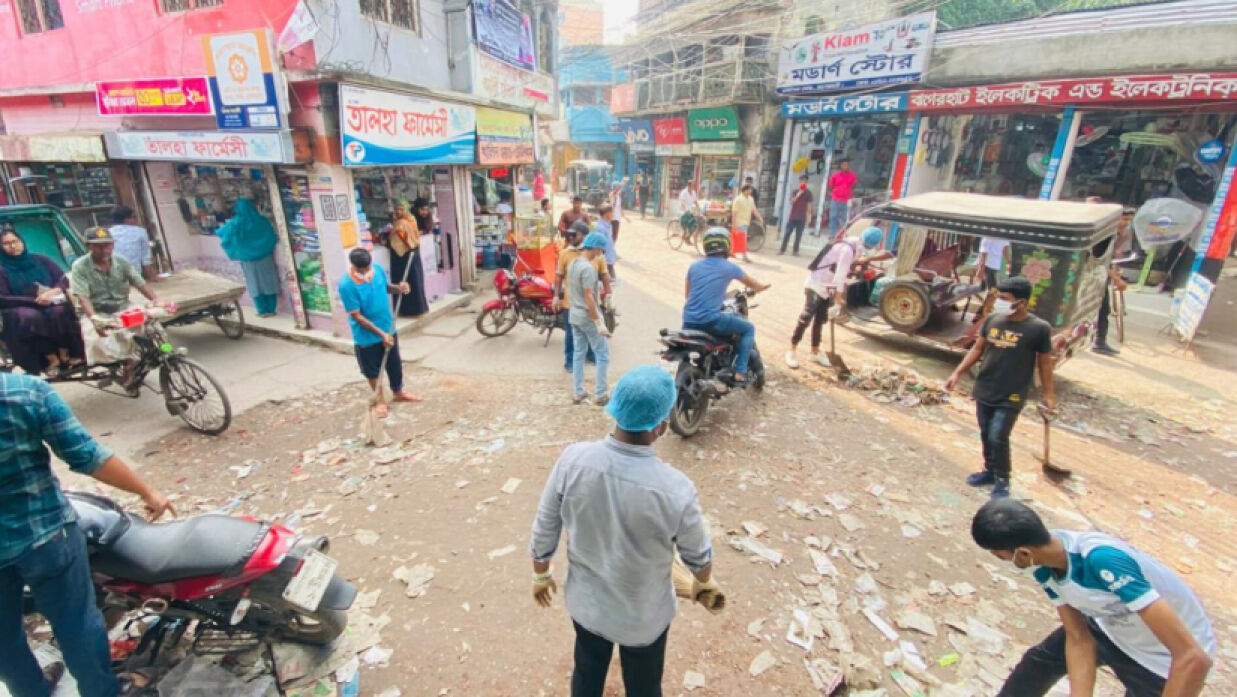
x,y
366,294
625,511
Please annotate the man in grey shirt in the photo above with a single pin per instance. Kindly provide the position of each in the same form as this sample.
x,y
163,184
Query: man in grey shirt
x,y
625,511
584,320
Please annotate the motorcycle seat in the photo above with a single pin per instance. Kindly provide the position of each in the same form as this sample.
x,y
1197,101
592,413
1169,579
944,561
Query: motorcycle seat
x,y
697,335
206,545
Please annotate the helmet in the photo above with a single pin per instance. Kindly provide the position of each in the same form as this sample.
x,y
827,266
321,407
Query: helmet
x,y
595,240
872,237
716,241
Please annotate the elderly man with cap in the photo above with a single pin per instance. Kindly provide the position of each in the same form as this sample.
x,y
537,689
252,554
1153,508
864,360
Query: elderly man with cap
x,y
625,511
569,249
1012,343
100,281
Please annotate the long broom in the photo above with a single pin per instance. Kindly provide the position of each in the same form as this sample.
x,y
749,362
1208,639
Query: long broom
x,y
375,434
713,601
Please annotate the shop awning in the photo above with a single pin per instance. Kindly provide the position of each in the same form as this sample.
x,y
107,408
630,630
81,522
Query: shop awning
x,y
53,147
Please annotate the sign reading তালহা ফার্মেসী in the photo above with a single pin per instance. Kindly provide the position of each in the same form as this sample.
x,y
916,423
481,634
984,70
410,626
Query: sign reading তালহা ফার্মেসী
x,y
385,128
886,53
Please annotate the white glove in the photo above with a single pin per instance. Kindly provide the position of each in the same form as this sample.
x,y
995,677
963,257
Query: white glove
x,y
835,312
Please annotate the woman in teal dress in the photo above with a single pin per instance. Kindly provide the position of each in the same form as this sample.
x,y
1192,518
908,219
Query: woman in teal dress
x,y
250,239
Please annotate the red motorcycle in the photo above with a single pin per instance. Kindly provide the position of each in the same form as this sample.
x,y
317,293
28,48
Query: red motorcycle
x,y
526,298
233,576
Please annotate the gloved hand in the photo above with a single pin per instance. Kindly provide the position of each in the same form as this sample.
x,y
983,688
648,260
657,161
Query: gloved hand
x,y
544,588
835,312
601,329
709,594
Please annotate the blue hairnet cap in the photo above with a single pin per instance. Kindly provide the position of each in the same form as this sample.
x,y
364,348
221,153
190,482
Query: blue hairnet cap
x,y
872,237
642,399
595,240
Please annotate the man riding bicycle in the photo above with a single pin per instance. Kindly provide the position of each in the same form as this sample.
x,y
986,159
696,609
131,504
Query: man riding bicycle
x,y
707,281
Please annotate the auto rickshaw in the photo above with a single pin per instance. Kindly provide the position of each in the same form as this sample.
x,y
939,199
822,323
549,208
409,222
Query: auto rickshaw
x,y
1063,248
590,180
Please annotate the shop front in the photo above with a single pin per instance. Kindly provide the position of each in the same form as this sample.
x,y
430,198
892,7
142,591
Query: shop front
x,y
820,133
641,157
674,165
507,216
405,150
714,134
69,171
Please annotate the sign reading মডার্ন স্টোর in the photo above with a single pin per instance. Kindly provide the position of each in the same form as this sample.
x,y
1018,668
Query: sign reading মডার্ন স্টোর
x,y
885,53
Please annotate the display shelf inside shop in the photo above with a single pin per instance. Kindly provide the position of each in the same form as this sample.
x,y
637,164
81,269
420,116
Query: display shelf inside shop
x,y
77,186
210,193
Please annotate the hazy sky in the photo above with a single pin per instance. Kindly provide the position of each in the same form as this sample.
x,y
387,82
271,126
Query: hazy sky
x,y
619,14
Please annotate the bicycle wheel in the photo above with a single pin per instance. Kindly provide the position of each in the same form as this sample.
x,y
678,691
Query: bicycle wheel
x,y
755,237
674,234
195,396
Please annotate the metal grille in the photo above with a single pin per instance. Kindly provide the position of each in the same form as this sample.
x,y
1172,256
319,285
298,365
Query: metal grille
x,y
405,14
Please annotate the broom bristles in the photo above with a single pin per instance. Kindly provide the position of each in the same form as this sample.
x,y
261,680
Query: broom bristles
x,y
713,601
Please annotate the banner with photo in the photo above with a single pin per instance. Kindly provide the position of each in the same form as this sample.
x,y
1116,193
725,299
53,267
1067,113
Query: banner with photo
x,y
504,32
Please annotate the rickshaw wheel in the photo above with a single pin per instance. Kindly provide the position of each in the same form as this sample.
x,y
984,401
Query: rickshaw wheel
x,y
905,306
234,328
195,396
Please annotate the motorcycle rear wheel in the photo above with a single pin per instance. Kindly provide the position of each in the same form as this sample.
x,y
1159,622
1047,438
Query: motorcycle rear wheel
x,y
497,321
276,618
756,365
688,412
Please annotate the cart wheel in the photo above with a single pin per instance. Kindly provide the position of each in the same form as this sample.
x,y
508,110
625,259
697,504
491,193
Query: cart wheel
x,y
674,234
755,237
905,306
195,396
234,328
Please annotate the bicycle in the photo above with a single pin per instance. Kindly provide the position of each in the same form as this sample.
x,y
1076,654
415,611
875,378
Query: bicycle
x,y
677,233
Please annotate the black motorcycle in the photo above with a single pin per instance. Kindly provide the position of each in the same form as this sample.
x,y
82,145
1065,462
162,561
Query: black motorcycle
x,y
706,368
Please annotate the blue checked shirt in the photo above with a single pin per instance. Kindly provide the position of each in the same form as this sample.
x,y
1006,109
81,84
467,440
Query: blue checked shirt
x,y
32,507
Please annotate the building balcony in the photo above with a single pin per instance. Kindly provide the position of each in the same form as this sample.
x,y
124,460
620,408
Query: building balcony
x,y
732,82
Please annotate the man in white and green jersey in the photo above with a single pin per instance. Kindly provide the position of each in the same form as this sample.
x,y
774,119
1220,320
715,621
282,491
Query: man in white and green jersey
x,y
1118,607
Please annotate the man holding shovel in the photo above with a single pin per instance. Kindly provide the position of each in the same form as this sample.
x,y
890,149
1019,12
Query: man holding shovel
x,y
366,295
625,511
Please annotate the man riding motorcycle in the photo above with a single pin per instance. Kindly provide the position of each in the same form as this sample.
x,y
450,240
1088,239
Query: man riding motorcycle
x,y
707,281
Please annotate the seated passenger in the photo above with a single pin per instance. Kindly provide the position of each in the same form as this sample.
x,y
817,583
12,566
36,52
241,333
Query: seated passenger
x,y
39,326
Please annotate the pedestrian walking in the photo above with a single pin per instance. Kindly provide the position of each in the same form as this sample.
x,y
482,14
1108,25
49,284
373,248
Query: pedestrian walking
x,y
569,249
132,241
616,202
41,545
643,188
994,259
1012,343
572,215
800,206
587,325
605,225
1121,245
749,181
742,210
1119,607
625,511
841,190
365,293
824,289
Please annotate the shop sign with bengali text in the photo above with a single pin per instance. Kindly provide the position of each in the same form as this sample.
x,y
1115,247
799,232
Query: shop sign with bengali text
x,y
887,53
1187,312
242,79
671,131
387,128
170,96
638,133
504,32
716,123
1162,89
716,147
200,146
825,107
503,83
678,150
623,98
52,148
504,137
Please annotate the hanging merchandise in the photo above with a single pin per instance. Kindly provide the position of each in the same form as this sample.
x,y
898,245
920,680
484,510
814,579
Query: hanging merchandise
x,y
303,237
1163,221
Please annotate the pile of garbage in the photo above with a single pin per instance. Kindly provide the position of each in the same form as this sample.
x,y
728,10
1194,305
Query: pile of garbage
x,y
896,385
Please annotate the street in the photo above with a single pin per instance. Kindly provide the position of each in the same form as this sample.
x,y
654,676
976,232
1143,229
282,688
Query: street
x,y
804,464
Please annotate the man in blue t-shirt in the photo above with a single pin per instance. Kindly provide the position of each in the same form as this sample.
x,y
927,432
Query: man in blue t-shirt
x,y
707,281
366,295
1118,607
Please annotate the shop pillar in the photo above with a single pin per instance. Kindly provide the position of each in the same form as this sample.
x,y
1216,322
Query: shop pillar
x,y
1062,149
783,175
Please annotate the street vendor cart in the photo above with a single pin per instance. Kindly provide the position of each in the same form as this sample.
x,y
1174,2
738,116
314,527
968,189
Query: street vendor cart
x,y
1063,248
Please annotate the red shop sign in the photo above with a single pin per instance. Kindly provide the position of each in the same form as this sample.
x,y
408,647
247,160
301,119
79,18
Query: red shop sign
x,y
1129,89
173,96
670,131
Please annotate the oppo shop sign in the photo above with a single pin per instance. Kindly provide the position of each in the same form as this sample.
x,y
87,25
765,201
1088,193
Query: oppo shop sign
x,y
719,123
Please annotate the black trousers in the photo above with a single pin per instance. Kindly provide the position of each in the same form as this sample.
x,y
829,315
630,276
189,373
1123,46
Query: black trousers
x,y
1043,665
642,666
793,227
815,312
1101,322
614,228
995,425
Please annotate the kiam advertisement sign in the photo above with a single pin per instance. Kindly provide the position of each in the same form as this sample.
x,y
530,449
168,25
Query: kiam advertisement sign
x,y
504,32
887,53
171,96
504,137
386,128
242,79
638,133
717,123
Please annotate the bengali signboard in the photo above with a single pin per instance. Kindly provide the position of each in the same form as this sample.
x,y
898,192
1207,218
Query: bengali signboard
x,y
638,133
504,137
841,106
678,150
504,32
503,83
242,79
1188,311
200,146
716,147
887,53
171,96
386,128
1080,92
623,98
716,123
671,131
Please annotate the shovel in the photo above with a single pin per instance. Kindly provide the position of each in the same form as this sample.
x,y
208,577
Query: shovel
x,y
835,360
1053,472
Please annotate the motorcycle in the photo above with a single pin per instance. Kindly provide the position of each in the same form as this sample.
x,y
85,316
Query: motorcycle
x,y
529,298
706,368
230,575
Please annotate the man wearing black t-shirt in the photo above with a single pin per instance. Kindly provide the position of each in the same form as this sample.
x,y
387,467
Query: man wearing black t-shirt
x,y
1011,344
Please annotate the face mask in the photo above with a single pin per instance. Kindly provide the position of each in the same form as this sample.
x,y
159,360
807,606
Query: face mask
x,y
802,187
1002,306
